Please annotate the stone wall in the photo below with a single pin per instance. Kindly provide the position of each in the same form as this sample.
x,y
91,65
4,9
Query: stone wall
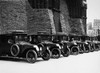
x,y
39,20
19,15
77,26
64,17
12,15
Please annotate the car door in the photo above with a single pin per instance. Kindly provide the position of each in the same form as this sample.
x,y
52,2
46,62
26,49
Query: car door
x,y
5,44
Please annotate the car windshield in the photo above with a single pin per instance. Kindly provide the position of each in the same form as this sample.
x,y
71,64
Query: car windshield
x,y
64,38
21,38
44,38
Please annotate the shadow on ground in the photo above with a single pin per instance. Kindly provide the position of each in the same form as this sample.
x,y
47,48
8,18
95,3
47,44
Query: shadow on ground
x,y
16,60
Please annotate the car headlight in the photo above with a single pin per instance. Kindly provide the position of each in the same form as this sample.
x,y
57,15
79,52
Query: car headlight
x,y
86,42
47,48
40,48
59,46
75,43
36,47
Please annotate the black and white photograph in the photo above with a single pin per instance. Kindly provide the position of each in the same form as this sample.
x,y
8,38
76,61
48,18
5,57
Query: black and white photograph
x,y
49,36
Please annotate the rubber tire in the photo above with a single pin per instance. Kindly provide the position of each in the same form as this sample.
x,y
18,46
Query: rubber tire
x,y
74,53
96,47
65,54
48,55
58,53
81,49
87,49
35,56
92,48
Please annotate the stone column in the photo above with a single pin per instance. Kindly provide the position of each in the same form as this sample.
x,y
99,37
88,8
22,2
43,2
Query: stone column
x,y
12,15
64,17
39,20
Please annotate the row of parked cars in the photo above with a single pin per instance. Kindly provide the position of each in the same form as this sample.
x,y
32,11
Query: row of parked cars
x,y
45,46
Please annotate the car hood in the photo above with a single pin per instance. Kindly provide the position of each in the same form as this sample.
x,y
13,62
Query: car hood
x,y
47,42
23,43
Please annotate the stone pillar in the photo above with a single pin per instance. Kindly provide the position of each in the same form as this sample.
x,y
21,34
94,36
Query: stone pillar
x,y
64,17
12,15
77,26
39,20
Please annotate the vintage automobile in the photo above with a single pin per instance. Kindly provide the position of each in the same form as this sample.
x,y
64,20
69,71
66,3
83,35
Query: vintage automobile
x,y
98,42
95,42
90,42
66,44
44,51
60,39
15,44
85,45
73,47
72,44
80,44
43,40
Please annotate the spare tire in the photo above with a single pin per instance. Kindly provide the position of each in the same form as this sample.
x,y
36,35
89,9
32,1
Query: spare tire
x,y
15,50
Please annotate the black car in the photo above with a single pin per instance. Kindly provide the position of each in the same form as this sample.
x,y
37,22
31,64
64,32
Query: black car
x,y
44,51
90,42
73,45
95,41
66,43
45,44
60,40
16,44
83,43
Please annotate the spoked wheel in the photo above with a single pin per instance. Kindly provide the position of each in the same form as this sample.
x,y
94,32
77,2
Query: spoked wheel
x,y
74,50
31,56
87,48
92,47
81,51
56,53
66,52
96,47
46,55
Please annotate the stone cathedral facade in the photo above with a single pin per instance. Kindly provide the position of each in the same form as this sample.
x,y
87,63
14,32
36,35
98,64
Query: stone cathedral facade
x,y
52,16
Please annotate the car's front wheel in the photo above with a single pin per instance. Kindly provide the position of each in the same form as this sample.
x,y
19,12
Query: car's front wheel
x,y
74,50
87,48
97,47
66,52
55,53
31,56
46,55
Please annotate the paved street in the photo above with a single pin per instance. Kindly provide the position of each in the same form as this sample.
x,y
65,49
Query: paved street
x,y
83,63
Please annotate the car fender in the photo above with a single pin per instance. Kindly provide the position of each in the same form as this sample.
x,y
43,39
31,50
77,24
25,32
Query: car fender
x,y
36,47
25,46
